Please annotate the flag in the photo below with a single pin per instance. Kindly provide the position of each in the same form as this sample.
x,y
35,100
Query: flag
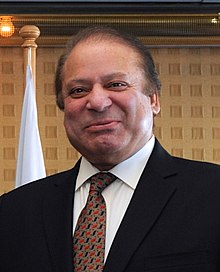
x,y
30,162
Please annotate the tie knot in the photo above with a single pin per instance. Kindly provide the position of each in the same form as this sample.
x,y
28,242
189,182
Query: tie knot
x,y
100,181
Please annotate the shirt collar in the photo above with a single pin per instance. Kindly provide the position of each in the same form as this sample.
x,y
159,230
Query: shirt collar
x,y
129,171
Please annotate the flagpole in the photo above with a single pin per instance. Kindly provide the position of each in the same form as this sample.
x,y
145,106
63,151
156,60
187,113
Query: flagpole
x,y
29,33
30,159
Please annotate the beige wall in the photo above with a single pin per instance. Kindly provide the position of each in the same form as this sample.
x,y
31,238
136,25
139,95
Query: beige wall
x,y
188,126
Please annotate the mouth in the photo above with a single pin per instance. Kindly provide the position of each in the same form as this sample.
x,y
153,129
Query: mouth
x,y
102,125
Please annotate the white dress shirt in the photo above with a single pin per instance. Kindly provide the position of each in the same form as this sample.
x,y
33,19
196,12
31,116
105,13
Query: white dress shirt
x,y
118,194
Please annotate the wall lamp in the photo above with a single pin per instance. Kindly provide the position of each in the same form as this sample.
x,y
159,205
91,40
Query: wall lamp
x,y
6,26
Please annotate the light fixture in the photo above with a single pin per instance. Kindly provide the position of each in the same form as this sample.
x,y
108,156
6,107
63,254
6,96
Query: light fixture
x,y
216,19
6,26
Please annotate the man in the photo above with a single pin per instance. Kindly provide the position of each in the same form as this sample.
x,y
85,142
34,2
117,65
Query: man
x,y
162,212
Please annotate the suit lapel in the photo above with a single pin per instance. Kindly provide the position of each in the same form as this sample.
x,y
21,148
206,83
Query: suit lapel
x,y
149,200
57,218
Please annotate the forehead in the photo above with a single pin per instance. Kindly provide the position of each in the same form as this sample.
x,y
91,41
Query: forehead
x,y
101,55
104,45
100,59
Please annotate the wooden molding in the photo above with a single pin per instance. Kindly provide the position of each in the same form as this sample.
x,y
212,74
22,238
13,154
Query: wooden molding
x,y
153,29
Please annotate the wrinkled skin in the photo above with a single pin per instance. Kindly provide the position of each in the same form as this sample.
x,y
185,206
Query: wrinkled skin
x,y
107,115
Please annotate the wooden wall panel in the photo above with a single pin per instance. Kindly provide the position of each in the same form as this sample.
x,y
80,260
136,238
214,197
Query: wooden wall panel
x,y
189,121
188,125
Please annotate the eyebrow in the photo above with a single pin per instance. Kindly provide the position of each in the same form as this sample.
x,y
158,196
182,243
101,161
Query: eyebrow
x,y
103,78
114,75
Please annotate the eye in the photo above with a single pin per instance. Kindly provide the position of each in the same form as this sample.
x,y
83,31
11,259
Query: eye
x,y
117,85
78,92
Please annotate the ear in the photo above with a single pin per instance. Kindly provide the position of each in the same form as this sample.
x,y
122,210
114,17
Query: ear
x,y
155,103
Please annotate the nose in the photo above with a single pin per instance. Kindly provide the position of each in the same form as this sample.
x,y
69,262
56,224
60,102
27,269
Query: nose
x,y
98,99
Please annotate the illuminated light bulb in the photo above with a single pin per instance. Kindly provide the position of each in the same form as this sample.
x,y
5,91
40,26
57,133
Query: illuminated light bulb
x,y
6,26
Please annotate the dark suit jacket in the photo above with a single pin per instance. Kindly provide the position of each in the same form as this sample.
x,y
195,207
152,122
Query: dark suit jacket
x,y
171,225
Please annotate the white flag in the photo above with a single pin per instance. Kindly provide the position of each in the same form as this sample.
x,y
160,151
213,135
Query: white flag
x,y
30,163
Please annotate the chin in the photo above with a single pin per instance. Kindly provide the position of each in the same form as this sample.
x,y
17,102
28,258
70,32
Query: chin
x,y
101,149
106,148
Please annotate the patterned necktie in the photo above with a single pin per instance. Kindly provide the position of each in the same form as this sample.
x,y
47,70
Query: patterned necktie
x,y
89,236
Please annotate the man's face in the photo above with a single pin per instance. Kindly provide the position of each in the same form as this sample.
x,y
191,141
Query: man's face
x,y
107,116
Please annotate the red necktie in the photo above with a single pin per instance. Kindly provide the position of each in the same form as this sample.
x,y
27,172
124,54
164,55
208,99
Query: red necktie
x,y
89,236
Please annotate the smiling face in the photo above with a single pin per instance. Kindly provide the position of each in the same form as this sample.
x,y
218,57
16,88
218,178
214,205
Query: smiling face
x,y
107,116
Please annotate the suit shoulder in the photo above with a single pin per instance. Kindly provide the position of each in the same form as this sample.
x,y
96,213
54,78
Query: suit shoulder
x,y
166,164
205,170
194,163
31,189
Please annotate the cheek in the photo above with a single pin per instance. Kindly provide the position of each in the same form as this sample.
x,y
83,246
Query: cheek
x,y
145,108
69,118
144,114
73,116
70,109
134,110
66,123
147,118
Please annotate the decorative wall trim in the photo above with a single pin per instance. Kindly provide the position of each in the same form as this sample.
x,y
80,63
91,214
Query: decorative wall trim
x,y
153,29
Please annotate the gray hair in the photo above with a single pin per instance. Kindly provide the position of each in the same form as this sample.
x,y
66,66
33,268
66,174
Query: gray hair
x,y
97,33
